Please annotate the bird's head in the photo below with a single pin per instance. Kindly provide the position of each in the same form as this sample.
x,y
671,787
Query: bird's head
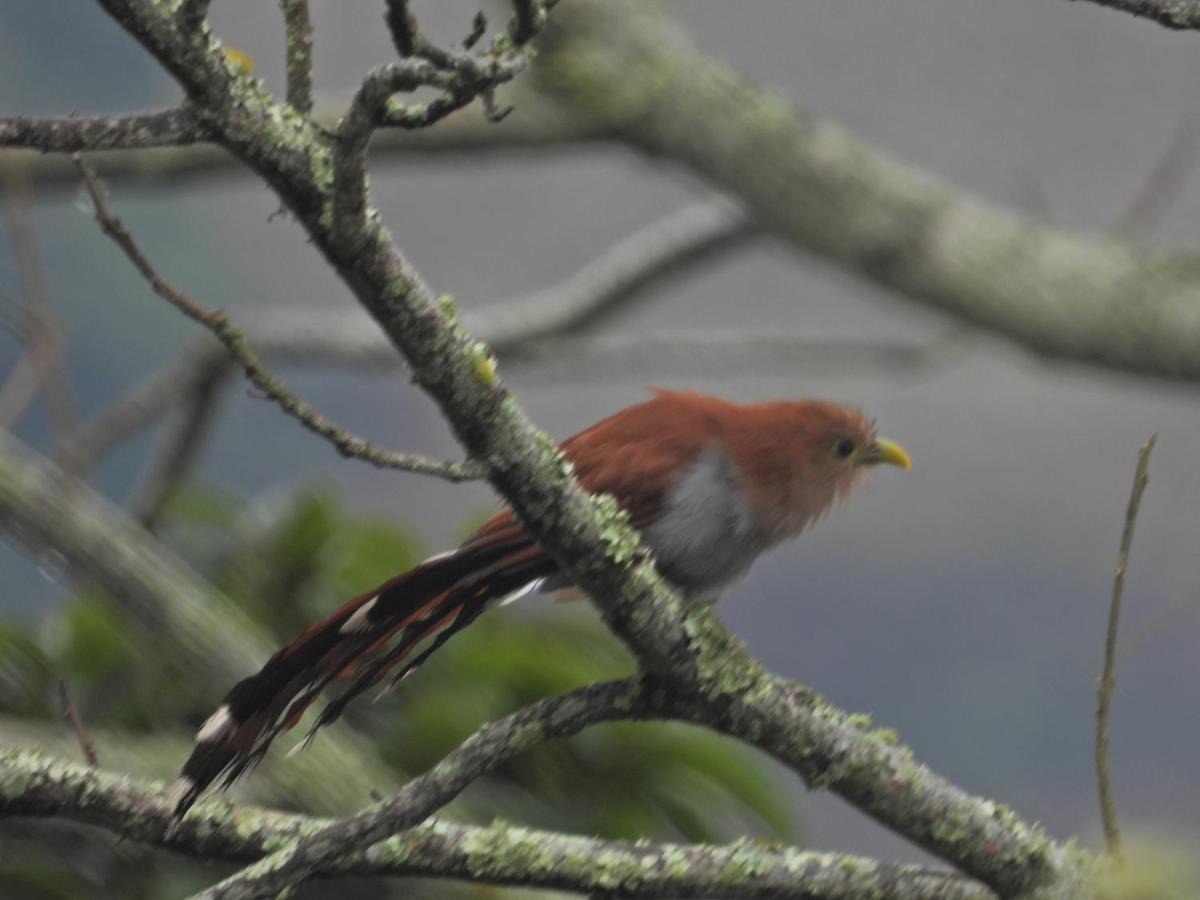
x,y
806,455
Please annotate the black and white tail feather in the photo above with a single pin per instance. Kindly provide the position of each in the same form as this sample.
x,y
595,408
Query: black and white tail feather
x,y
391,630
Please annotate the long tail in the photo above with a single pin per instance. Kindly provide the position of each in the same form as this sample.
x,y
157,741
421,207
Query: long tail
x,y
365,638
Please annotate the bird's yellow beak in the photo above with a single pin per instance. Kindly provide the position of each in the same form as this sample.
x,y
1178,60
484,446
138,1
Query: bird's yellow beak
x,y
884,451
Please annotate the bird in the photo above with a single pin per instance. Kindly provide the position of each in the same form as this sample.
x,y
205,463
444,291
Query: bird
x,y
709,484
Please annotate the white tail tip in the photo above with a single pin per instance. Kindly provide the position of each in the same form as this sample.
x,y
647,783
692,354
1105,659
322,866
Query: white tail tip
x,y
216,726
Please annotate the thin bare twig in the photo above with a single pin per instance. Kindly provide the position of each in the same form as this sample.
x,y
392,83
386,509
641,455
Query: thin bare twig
x,y
136,410
44,339
1108,680
181,445
1161,185
217,322
76,723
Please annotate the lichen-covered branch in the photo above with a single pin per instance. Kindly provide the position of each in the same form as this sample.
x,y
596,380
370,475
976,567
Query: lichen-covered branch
x,y
74,134
1178,15
299,34
691,652
1060,293
491,746
538,125
33,785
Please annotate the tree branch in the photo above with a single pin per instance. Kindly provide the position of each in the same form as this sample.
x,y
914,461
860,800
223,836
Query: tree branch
x,y
678,240
1059,293
73,134
1178,15
132,155
44,340
1108,678
34,785
299,33
192,413
555,717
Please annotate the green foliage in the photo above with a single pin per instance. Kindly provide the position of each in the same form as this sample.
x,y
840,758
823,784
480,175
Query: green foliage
x,y
287,560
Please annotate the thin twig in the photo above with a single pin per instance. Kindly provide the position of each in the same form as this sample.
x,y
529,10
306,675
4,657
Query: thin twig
x,y
43,338
1161,186
299,32
1108,680
136,410
76,723
193,415
217,322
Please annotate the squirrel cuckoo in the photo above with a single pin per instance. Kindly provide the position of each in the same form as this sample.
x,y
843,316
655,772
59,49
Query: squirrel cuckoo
x,y
709,484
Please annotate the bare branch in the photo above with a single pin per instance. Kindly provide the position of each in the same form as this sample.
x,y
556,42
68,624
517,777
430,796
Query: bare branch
x,y
299,32
43,338
139,408
1162,183
349,445
683,238
193,412
499,854
1178,15
72,717
1108,679
717,354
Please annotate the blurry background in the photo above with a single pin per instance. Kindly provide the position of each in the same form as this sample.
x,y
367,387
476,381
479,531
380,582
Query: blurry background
x,y
962,603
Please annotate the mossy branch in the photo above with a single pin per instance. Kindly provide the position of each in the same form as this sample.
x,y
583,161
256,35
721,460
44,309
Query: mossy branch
x,y
34,785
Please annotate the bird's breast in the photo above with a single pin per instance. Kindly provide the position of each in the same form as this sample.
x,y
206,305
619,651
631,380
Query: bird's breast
x,y
706,534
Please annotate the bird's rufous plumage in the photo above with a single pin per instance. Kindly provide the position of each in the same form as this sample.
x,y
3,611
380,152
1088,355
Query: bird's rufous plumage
x,y
709,484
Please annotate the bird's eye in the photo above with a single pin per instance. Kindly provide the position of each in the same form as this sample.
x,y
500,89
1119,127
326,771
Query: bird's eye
x,y
843,447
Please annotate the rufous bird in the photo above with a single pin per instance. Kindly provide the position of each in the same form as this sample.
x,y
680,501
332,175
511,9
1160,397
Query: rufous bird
x,y
709,484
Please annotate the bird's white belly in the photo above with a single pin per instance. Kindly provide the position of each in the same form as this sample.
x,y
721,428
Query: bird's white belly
x,y
705,535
